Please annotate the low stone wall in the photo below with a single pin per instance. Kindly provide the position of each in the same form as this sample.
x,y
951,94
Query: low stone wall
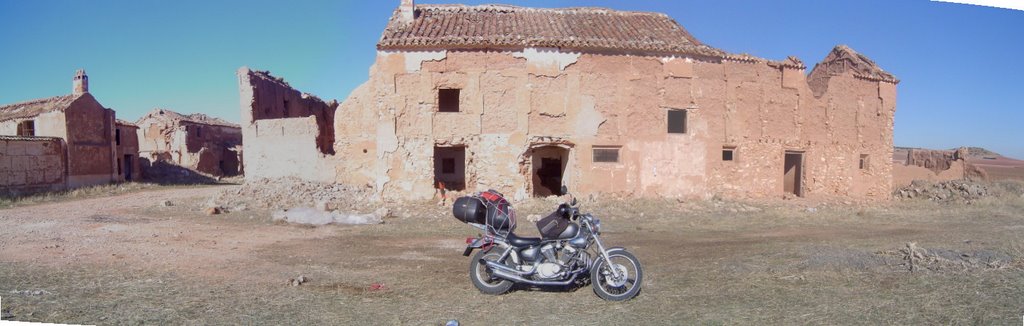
x,y
904,175
277,148
32,164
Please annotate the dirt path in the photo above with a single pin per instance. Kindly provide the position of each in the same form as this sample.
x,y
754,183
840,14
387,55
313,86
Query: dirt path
x,y
129,258
136,231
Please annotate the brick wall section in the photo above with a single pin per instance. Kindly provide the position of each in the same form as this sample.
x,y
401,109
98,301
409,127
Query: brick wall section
x,y
265,97
286,132
31,164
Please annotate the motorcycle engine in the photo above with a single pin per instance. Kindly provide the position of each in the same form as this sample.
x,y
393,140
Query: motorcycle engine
x,y
548,270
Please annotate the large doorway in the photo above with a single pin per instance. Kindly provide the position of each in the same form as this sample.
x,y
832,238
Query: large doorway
x,y
793,173
128,168
548,167
450,168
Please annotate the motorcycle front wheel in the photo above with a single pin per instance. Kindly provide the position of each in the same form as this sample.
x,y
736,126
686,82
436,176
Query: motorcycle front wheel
x,y
618,279
481,275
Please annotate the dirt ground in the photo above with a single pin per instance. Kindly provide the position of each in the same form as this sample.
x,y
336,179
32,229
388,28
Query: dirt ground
x,y
129,259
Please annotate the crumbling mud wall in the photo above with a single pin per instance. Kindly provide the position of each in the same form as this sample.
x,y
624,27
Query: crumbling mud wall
x,y
910,164
513,103
287,132
32,164
194,141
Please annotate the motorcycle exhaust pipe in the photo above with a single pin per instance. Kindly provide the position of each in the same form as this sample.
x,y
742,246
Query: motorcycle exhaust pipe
x,y
508,270
518,279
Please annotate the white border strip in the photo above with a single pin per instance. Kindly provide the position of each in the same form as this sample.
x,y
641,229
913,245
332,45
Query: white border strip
x,y
1004,4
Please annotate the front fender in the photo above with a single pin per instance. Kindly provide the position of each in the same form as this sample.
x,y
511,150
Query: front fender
x,y
614,249
600,256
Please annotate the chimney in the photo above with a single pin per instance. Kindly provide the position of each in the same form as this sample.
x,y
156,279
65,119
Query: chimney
x,y
408,11
80,83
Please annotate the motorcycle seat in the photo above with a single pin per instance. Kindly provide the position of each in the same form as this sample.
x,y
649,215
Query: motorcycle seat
x,y
517,241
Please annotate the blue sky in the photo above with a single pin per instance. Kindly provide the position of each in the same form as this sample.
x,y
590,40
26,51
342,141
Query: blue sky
x,y
962,80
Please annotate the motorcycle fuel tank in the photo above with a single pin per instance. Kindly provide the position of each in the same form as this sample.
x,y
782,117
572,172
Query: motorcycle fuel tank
x,y
581,239
570,231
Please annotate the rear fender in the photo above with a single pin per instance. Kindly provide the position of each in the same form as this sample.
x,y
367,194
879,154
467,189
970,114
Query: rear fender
x,y
482,243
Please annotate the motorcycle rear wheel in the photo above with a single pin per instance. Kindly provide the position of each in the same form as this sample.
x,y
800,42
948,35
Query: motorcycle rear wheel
x,y
624,287
481,275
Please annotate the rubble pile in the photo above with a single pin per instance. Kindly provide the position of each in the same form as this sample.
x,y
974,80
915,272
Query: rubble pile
x,y
947,191
285,193
916,259
167,173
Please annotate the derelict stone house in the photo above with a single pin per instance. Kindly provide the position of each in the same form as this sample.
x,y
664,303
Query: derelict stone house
x,y
608,102
59,142
126,149
194,141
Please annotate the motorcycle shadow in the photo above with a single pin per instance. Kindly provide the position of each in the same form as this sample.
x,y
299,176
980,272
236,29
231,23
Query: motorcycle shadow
x,y
580,283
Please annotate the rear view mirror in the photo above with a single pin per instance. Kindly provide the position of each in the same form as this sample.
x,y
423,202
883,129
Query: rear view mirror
x,y
565,189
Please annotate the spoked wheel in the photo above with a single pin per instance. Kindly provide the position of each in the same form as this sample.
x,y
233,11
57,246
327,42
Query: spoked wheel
x,y
481,275
619,279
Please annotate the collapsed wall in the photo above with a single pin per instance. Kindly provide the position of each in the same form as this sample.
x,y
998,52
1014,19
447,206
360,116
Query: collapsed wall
x,y
287,132
911,164
195,141
32,164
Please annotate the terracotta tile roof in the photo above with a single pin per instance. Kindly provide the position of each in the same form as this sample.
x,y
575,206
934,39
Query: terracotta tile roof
x,y
502,26
36,107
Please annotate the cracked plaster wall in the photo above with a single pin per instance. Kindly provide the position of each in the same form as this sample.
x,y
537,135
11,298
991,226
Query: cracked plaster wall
x,y
512,101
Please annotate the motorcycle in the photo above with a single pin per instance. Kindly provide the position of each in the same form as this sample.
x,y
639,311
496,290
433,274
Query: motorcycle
x,y
568,252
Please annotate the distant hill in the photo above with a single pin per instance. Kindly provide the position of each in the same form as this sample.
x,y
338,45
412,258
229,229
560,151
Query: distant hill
x,y
978,152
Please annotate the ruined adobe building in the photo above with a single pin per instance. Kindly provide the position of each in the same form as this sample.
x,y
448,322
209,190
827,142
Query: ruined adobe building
x,y
195,141
126,147
608,102
60,142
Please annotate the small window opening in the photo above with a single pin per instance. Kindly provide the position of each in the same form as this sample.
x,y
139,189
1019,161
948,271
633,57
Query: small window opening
x,y
606,154
864,161
199,131
448,100
117,136
728,153
677,121
450,168
27,128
